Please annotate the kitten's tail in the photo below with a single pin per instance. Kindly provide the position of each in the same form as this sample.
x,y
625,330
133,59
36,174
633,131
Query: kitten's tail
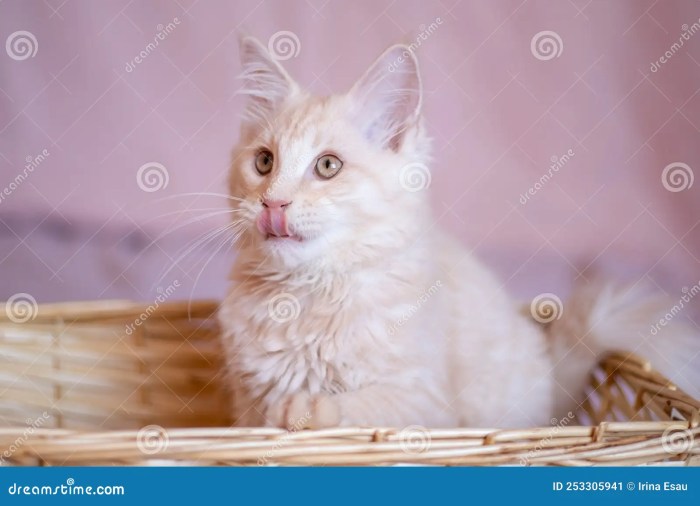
x,y
600,318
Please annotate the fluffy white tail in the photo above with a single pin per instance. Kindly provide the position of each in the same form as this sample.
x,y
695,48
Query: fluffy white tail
x,y
600,318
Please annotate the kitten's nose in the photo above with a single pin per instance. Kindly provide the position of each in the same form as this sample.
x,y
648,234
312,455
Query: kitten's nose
x,y
273,218
271,204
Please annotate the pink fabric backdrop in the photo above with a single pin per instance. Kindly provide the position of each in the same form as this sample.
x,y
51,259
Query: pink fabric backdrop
x,y
498,111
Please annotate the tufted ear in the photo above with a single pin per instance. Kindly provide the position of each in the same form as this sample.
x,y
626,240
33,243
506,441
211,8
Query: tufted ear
x,y
265,82
387,99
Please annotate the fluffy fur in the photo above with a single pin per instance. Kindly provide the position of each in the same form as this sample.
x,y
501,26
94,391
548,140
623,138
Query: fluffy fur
x,y
376,317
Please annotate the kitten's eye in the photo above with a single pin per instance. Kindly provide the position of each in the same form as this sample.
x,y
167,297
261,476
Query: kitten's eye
x,y
328,166
263,162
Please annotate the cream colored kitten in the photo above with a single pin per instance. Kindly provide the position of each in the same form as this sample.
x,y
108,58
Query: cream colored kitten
x,y
348,306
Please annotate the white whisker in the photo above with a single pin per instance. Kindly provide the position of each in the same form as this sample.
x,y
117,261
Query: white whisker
x,y
226,241
194,244
187,210
202,194
170,230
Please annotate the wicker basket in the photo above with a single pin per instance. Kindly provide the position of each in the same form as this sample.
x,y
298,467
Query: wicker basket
x,y
120,383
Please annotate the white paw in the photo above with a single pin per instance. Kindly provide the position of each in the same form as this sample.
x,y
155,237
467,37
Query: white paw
x,y
304,411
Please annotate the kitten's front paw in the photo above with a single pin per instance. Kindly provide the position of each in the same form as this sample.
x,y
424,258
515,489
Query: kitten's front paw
x,y
304,411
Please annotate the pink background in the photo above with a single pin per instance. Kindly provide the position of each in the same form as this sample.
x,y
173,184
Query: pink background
x,y
80,226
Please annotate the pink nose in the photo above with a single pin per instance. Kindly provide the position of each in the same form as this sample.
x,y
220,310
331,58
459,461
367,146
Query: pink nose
x,y
273,218
274,203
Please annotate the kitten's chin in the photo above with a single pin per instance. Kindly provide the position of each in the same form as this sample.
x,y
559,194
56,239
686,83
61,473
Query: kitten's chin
x,y
282,238
289,250
297,251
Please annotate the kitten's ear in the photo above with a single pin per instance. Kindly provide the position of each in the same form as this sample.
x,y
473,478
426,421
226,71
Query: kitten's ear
x,y
265,82
387,99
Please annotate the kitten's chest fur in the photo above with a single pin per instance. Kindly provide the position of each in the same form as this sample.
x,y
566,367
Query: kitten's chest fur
x,y
329,334
287,336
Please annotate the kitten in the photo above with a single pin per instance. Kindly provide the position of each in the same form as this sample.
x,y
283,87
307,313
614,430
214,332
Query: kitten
x,y
349,307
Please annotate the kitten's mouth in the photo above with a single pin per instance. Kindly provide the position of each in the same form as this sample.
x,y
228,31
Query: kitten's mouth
x,y
273,237
273,225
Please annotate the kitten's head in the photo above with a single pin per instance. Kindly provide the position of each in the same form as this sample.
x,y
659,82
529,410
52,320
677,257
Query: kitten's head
x,y
338,179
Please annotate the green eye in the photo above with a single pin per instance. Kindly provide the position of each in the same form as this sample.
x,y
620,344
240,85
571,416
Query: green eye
x,y
328,166
263,162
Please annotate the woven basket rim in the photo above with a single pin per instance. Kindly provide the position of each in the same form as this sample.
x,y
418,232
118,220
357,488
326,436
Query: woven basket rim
x,y
113,308
640,441
608,443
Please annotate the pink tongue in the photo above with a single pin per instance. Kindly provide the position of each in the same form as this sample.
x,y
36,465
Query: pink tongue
x,y
273,221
